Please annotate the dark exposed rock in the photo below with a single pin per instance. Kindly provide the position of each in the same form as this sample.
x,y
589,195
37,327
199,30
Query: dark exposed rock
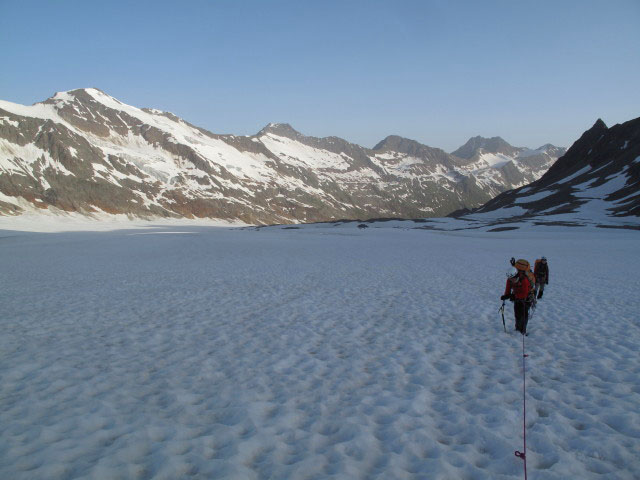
x,y
503,229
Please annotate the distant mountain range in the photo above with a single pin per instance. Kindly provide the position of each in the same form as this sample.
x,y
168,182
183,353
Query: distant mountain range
x,y
596,181
85,151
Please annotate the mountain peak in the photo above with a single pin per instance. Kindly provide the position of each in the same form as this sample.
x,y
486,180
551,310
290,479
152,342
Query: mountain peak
x,y
547,146
396,143
489,145
599,125
591,136
280,129
412,148
90,91
400,144
85,96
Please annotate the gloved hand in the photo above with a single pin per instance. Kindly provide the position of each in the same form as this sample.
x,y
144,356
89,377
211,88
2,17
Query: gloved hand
x,y
504,297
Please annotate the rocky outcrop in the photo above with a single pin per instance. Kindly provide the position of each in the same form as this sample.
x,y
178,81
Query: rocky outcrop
x,y
598,176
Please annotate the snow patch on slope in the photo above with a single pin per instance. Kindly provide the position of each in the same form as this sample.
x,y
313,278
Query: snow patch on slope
x,y
533,198
493,160
39,110
577,174
298,154
498,213
28,153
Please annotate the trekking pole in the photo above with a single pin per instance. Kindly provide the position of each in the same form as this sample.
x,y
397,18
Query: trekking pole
x,y
501,310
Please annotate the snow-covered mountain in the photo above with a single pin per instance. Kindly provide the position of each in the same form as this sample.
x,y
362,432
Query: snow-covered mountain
x,y
517,165
597,180
85,151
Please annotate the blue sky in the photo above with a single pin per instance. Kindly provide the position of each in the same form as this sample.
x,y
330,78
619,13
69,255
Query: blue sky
x,y
435,71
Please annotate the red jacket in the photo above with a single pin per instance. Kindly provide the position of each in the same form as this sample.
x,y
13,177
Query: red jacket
x,y
519,285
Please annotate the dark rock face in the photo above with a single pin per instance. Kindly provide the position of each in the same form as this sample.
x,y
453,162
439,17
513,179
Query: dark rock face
x,y
87,152
603,165
579,151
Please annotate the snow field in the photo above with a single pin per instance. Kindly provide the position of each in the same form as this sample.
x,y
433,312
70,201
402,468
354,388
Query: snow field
x,y
315,353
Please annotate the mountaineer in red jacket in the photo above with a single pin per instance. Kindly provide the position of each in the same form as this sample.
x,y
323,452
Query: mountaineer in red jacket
x,y
517,290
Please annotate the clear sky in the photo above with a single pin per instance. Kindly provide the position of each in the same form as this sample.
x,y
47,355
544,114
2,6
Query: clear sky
x,y
435,71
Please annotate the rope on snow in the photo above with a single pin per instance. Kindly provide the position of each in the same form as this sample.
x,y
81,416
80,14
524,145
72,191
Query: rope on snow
x,y
523,454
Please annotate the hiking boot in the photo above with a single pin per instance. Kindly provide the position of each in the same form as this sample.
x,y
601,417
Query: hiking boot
x,y
540,295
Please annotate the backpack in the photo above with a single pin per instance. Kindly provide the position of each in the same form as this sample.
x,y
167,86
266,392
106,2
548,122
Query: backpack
x,y
532,286
532,279
540,269
525,267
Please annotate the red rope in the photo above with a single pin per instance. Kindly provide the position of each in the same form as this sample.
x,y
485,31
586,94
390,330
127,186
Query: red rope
x,y
523,455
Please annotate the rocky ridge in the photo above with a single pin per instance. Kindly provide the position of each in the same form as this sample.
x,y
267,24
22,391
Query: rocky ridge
x,y
85,151
597,180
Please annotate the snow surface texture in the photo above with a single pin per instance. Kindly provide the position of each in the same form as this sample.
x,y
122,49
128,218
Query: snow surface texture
x,y
71,221
318,352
